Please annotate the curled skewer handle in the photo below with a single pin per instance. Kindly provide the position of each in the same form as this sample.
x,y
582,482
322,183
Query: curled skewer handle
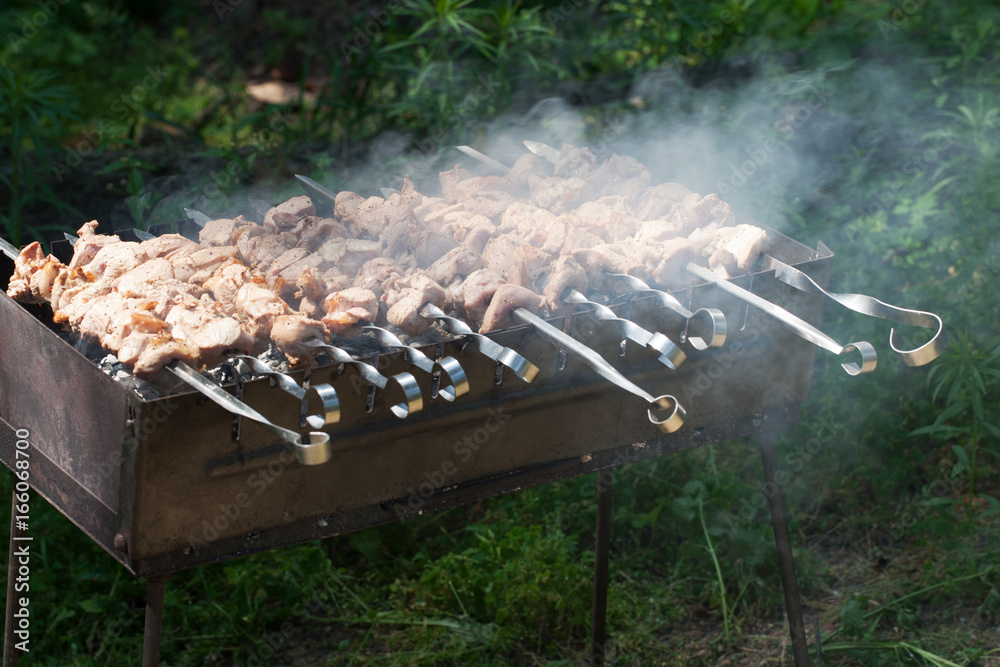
x,y
671,356
869,305
414,401
675,413
330,407
706,326
285,382
667,413
415,356
449,366
317,450
520,366
801,328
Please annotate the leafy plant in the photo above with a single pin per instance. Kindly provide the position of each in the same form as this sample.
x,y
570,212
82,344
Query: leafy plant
x,y
32,110
963,378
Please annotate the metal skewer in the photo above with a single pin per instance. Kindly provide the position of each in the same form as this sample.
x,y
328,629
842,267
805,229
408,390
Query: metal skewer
x,y
671,356
521,367
316,191
484,159
197,217
868,305
283,381
708,324
8,248
543,151
449,366
316,451
801,328
260,206
413,402
671,415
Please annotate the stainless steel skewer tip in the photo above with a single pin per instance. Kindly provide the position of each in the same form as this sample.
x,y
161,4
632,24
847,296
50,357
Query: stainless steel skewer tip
x,y
9,249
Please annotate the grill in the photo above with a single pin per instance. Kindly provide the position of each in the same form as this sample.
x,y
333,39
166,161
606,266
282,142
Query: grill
x,y
173,482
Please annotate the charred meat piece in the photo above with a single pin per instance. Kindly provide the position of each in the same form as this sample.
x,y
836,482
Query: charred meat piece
x,y
226,282
505,301
287,214
557,194
347,308
88,244
616,170
405,299
345,203
666,262
659,200
566,274
474,294
457,264
221,231
201,264
34,275
289,334
171,247
450,182
429,246
737,250
573,161
258,307
525,166
376,274
488,203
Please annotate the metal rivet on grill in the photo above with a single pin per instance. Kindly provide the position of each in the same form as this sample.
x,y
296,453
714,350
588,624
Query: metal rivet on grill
x,y
435,383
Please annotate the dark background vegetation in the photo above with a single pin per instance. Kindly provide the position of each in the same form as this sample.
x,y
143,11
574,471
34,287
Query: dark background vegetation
x,y
871,126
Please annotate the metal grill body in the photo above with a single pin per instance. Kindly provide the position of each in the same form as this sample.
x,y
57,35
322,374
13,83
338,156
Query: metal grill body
x,y
162,485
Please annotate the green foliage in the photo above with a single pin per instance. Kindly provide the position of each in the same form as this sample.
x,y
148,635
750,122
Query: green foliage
x,y
33,108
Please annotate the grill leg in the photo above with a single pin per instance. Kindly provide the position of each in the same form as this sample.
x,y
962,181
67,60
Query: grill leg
x,y
154,621
779,521
599,624
10,653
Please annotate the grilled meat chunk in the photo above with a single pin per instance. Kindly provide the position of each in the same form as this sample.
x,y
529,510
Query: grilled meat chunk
x,y
505,301
347,308
289,334
407,296
566,274
287,214
737,249
34,275
258,307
